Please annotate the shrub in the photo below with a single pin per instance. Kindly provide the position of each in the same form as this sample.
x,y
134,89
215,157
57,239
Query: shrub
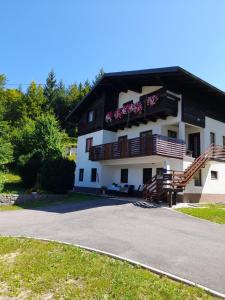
x,y
57,175
2,181
29,167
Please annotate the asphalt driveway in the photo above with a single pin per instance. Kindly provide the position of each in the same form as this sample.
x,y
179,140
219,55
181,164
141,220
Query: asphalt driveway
x,y
184,246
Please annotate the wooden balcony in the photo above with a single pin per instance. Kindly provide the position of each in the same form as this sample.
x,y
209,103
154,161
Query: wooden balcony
x,y
166,106
136,147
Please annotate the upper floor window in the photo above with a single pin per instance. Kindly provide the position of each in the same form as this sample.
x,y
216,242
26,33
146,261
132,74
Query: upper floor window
x,y
128,102
172,134
212,138
89,144
223,141
146,134
122,138
90,116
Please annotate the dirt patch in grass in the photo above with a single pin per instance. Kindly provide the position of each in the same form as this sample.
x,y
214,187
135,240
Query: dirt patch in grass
x,y
9,257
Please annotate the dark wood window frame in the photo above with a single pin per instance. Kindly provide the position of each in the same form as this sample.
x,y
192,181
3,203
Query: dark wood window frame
x,y
159,171
146,133
122,144
124,175
147,175
92,114
214,175
122,138
198,179
89,144
172,134
128,102
81,174
93,174
212,138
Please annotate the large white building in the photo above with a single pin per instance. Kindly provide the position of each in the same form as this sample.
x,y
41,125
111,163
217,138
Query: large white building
x,y
136,128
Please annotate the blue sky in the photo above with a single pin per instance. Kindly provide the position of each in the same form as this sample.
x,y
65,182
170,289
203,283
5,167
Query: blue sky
x,y
78,37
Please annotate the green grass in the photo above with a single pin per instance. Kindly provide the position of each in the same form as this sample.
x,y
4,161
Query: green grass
x,y
210,212
31,269
12,184
71,198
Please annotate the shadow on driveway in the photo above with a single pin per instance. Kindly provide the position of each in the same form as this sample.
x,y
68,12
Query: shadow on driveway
x,y
73,206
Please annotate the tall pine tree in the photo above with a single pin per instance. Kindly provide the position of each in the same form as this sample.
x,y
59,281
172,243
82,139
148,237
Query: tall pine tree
x,y
50,89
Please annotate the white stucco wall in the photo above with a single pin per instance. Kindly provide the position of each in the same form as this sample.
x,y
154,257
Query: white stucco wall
x,y
215,126
156,127
209,186
83,162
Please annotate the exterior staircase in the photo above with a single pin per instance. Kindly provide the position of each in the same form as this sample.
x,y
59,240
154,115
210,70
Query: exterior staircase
x,y
175,181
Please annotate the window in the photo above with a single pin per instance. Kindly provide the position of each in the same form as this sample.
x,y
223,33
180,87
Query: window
x,y
81,174
198,179
146,134
146,142
159,171
93,174
223,141
89,143
147,175
122,145
214,175
212,138
90,116
122,138
128,102
124,176
172,134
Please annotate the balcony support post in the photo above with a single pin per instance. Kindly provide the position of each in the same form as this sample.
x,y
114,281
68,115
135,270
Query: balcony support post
x,y
181,133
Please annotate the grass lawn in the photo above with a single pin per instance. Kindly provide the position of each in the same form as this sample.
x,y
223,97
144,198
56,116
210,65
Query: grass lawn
x,y
71,198
210,212
31,269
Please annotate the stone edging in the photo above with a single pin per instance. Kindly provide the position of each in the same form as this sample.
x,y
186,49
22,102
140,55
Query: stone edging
x,y
11,199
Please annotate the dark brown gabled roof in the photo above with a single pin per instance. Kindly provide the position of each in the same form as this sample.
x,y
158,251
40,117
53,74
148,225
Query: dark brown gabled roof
x,y
175,77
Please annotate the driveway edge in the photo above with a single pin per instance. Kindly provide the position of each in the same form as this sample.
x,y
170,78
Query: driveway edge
x,y
133,262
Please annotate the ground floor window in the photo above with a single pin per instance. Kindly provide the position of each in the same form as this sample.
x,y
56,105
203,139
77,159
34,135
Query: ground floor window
x,y
223,141
214,175
147,175
93,174
81,174
124,176
212,138
159,171
198,178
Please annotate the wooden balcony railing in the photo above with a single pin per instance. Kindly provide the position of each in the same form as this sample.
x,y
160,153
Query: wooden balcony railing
x,y
140,146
